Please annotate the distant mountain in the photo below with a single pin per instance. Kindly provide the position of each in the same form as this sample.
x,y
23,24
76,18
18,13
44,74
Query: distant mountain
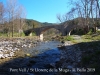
x,y
81,21
47,24
34,24
30,23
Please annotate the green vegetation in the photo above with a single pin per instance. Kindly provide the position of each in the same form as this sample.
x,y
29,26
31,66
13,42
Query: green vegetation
x,y
90,32
32,23
83,38
33,34
68,38
89,44
29,23
9,34
3,34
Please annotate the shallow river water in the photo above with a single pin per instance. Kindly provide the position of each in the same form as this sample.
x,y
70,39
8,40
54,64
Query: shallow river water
x,y
37,60
47,54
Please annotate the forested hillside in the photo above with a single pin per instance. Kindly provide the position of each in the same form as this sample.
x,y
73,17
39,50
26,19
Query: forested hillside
x,y
30,23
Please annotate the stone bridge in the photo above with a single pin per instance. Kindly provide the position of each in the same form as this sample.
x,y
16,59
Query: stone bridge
x,y
63,28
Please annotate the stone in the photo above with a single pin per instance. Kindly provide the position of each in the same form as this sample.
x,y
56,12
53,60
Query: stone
x,y
6,55
1,55
28,54
62,47
11,54
62,42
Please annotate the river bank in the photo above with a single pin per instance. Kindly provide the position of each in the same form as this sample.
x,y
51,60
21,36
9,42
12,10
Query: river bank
x,y
35,54
27,53
70,58
85,50
10,46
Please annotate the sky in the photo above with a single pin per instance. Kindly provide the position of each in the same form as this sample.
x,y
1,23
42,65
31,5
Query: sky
x,y
44,10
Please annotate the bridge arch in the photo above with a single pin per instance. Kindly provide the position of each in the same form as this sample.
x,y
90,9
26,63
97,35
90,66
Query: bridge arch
x,y
64,29
53,29
78,30
49,32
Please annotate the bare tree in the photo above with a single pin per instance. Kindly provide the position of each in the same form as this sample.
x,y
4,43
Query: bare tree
x,y
21,15
68,16
2,12
59,17
85,10
15,15
11,7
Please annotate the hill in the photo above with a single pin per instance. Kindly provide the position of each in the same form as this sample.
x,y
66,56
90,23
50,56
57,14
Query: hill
x,y
30,23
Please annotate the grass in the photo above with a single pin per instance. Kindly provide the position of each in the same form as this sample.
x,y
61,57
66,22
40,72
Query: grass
x,y
94,37
15,34
3,35
87,38
91,57
68,38
90,45
84,38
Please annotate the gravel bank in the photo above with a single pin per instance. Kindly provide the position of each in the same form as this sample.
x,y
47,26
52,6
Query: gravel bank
x,y
70,58
8,47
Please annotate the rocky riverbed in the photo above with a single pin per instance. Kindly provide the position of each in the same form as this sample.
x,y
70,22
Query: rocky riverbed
x,y
20,53
70,58
27,53
8,47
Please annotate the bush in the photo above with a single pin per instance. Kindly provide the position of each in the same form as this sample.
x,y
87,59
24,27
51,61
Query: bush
x,y
33,34
5,30
78,32
90,32
69,38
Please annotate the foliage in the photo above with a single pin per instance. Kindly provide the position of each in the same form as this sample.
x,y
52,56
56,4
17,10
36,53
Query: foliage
x,y
78,32
47,24
68,38
90,32
33,34
98,32
86,37
32,23
3,34
93,37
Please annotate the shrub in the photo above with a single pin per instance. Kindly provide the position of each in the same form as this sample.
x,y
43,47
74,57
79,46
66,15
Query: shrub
x,y
90,32
69,38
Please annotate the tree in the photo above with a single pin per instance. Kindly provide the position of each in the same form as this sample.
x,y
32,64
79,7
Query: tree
x,y
20,19
1,13
2,17
15,15
11,9
87,12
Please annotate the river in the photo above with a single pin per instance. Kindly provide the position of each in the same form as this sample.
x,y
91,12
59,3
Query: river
x,y
47,55
38,58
